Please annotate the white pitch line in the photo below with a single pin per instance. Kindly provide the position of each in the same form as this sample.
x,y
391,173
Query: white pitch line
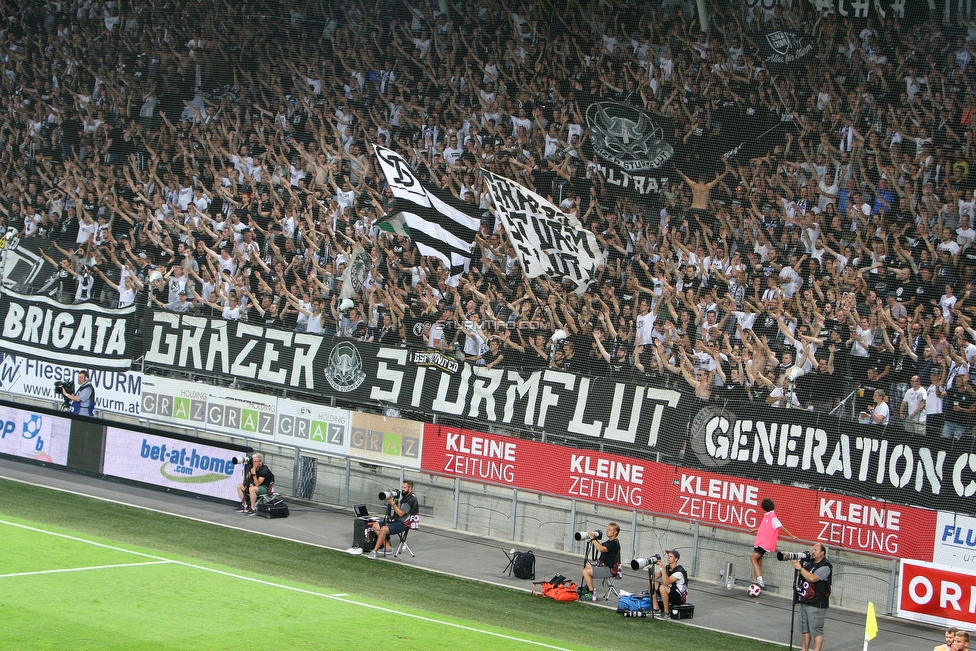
x,y
160,560
257,532
89,542
83,569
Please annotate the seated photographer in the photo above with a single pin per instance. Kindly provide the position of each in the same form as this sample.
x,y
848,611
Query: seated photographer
x,y
609,557
83,399
671,582
396,522
258,479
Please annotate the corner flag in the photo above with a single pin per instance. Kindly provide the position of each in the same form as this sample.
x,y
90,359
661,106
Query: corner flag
x,y
871,625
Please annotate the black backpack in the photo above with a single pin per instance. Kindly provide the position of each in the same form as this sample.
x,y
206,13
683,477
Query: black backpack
x,y
524,565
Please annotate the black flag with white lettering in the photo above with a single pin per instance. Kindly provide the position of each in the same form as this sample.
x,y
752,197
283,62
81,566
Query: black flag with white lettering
x,y
85,334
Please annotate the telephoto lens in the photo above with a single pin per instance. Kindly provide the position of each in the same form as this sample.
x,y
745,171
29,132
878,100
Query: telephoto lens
x,y
793,556
641,563
583,535
392,494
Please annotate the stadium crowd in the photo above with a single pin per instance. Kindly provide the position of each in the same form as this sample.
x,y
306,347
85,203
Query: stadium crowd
x,y
215,157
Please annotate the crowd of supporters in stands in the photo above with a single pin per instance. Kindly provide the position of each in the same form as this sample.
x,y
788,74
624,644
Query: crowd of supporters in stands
x,y
215,157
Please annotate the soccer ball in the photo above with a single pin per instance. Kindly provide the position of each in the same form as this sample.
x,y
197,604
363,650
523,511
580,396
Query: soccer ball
x,y
754,590
32,426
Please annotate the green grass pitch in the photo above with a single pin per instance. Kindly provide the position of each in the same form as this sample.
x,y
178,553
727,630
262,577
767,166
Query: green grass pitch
x,y
76,573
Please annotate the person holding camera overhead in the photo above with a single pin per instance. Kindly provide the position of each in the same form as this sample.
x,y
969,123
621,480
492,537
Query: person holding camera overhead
x,y
396,522
257,481
813,594
83,399
609,556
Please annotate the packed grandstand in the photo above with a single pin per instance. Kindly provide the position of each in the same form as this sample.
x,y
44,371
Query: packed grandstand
x,y
780,200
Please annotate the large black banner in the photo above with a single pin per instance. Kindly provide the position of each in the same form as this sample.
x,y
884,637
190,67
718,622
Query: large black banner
x,y
783,50
812,449
86,334
747,440
634,145
557,402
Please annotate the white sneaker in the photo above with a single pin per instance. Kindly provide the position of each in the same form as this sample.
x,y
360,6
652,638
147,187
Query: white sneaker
x,y
372,556
760,582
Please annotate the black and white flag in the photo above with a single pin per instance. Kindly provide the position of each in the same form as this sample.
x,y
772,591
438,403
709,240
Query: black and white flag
x,y
782,50
356,272
440,225
86,335
547,240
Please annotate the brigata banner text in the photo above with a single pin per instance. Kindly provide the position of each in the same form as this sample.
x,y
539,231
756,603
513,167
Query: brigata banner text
x,y
86,334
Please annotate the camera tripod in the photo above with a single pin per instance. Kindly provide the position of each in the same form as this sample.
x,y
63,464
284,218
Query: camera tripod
x,y
589,556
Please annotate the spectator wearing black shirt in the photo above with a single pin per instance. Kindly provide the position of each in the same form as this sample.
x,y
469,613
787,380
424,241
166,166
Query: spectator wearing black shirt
x,y
926,292
958,407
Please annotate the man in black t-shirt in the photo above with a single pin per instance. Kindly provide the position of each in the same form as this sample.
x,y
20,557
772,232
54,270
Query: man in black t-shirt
x,y
258,480
609,557
399,518
70,136
958,407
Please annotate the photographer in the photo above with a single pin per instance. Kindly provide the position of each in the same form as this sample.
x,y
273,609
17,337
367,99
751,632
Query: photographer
x,y
396,522
83,399
258,479
609,556
672,584
813,595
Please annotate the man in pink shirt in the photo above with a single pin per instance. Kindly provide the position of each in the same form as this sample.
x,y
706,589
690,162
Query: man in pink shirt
x,y
766,536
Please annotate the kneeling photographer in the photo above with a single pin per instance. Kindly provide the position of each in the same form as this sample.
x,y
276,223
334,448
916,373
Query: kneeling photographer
x,y
258,479
812,592
396,520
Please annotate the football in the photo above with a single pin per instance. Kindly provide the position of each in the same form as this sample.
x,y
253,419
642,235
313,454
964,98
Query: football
x,y
754,590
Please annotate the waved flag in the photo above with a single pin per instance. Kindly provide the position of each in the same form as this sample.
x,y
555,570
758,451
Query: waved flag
x,y
356,271
439,225
547,240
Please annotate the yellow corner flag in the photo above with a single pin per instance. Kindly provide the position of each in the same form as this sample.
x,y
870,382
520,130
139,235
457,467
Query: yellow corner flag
x,y
871,625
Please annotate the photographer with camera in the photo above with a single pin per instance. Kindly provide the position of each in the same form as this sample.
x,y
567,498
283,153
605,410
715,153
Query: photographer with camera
x,y
258,479
396,521
671,582
82,401
609,556
814,574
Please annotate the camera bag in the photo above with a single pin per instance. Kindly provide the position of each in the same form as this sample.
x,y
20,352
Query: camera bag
x,y
273,508
682,611
631,603
523,566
